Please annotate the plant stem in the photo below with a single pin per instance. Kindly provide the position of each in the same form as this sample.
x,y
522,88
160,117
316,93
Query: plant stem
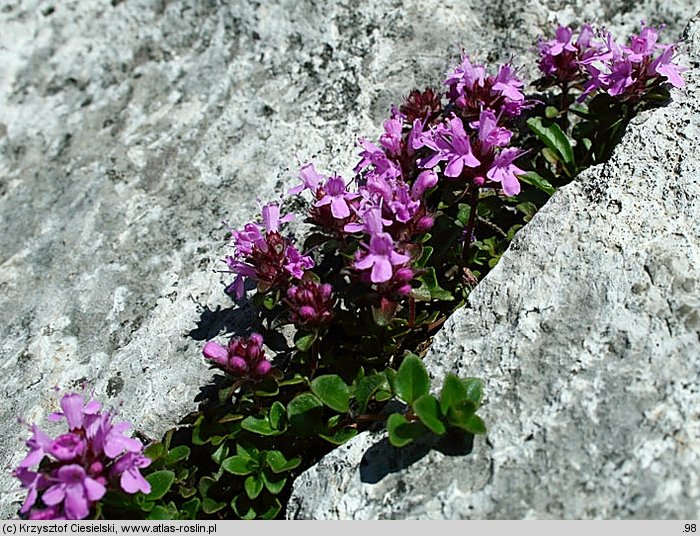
x,y
473,202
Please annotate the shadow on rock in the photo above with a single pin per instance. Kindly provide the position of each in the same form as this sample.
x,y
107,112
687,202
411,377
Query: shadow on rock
x,y
383,458
232,320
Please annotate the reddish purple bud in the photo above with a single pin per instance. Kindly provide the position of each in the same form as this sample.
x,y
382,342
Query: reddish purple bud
x,y
217,353
237,365
310,303
263,368
425,224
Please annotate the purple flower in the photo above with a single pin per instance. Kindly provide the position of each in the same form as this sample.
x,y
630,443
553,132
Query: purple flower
x,y
296,263
271,218
664,66
504,171
310,180
490,134
114,442
74,467
381,257
337,196
449,142
403,206
127,469
39,444
391,140
68,447
425,181
75,490
78,414
472,90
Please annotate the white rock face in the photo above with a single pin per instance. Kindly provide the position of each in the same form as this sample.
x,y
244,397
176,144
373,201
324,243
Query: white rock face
x,y
130,129
587,335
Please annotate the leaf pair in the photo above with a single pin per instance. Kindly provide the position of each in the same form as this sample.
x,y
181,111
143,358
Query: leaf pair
x,y
459,401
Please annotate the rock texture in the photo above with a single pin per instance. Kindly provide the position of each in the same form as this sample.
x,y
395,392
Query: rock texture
x,y
129,129
587,335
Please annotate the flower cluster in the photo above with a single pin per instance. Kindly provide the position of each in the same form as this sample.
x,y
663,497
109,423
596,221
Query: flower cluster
x,y
477,158
600,63
310,303
263,255
561,58
472,90
244,357
76,469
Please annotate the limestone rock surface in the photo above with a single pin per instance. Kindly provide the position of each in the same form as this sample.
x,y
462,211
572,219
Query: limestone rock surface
x,y
587,336
129,129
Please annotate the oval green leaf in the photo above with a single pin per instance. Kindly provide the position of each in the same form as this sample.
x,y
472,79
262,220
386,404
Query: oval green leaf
x,y
160,482
412,379
428,411
332,391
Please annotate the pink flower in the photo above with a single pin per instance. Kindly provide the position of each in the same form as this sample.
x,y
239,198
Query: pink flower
x,y
76,468
504,171
310,180
127,469
337,196
381,257
75,489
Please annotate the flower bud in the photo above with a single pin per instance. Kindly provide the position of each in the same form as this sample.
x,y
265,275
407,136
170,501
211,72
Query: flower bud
x,y
217,353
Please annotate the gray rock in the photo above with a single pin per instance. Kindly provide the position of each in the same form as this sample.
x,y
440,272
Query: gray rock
x,y
587,335
130,129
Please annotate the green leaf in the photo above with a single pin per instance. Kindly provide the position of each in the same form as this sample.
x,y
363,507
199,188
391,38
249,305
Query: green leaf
x,y
220,454
178,454
402,432
247,451
304,342
244,510
190,509
454,391
332,391
340,436
425,255
278,415
550,112
279,464
535,179
268,387
391,378
528,209
554,138
436,291
294,380
475,425
162,512
273,486
428,411
154,451
366,388
260,426
270,301
459,414
160,482
412,379
474,388
211,506
205,483
253,486
385,312
304,413
240,465
272,510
